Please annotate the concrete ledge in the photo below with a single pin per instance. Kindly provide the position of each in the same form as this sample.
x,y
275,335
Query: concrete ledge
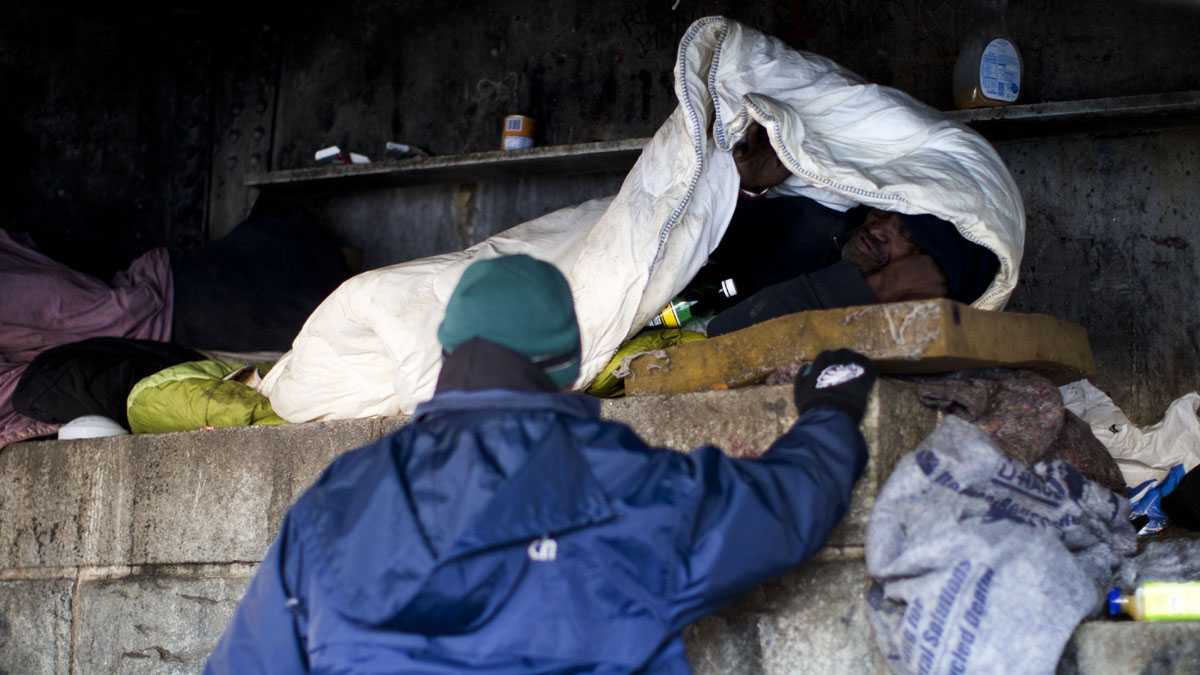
x,y
129,554
219,496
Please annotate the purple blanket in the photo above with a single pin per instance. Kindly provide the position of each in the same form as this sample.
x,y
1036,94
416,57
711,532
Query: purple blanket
x,y
44,304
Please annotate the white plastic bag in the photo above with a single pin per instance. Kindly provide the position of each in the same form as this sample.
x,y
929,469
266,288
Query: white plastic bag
x,y
1141,454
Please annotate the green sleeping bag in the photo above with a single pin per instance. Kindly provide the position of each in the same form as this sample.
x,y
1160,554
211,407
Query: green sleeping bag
x,y
196,395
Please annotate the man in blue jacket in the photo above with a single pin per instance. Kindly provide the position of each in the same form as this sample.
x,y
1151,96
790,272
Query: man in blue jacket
x,y
508,529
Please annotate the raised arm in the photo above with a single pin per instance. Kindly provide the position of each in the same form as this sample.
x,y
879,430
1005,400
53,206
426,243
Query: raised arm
x,y
753,519
839,285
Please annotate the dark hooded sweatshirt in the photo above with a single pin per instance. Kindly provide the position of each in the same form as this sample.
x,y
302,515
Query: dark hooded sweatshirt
x,y
784,254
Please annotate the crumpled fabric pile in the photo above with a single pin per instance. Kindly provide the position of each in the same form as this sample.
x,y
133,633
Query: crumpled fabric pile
x,y
1024,413
45,304
982,564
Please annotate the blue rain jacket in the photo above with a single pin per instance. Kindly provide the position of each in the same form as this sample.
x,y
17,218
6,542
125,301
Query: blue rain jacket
x,y
513,532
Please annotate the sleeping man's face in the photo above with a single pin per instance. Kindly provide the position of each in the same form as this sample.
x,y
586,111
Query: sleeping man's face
x,y
758,166
893,266
881,239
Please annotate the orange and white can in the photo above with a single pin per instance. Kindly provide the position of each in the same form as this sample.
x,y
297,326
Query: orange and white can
x,y
518,133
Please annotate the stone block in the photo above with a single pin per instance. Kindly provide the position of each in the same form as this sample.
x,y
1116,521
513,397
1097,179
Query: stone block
x,y
927,336
1120,647
744,423
813,620
66,503
210,496
35,626
220,495
152,624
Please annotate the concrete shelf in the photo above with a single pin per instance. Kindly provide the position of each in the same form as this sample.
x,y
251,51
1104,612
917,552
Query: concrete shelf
x,y
1093,115
1177,103
575,159
1099,114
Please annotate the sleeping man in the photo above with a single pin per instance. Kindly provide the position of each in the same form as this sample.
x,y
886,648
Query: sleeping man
x,y
792,253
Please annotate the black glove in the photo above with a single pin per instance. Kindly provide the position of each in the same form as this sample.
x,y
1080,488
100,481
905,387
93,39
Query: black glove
x,y
841,378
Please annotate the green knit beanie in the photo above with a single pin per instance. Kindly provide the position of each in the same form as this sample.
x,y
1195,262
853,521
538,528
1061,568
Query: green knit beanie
x,y
520,303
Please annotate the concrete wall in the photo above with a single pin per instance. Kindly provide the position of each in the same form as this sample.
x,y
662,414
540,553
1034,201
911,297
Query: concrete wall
x,y
444,75
106,122
140,126
392,225
1113,244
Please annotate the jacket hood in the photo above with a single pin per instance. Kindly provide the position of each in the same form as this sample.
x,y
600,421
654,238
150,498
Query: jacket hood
x,y
418,533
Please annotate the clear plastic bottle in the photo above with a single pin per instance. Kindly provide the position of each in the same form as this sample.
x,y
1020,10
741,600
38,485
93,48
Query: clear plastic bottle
x,y
989,67
1158,601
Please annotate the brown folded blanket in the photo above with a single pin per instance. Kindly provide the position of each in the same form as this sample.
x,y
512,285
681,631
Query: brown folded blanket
x,y
1024,412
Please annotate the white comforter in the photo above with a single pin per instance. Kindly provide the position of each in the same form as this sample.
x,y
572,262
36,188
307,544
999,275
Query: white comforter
x,y
371,347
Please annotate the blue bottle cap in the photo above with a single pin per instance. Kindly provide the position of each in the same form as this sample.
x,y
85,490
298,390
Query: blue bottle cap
x,y
1114,602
